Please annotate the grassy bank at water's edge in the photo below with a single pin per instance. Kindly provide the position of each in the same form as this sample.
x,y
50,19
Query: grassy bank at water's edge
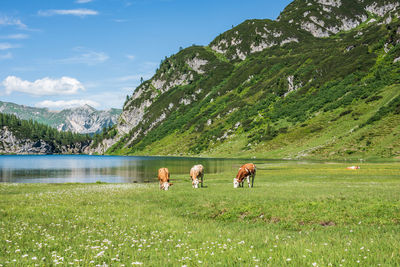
x,y
297,214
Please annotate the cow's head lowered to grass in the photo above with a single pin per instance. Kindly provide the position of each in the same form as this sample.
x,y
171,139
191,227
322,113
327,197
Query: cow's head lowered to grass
x,y
235,183
163,177
197,173
165,186
245,172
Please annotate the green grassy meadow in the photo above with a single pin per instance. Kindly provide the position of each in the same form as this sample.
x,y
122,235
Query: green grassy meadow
x,y
296,215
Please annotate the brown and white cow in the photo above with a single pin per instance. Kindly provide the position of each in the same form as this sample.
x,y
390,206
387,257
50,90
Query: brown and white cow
x,y
353,168
246,171
197,172
163,177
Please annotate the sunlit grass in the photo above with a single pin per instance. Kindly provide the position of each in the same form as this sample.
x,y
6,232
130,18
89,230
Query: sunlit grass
x,y
299,215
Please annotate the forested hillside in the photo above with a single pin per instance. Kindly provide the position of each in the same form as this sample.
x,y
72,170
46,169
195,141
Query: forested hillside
x,y
23,136
321,81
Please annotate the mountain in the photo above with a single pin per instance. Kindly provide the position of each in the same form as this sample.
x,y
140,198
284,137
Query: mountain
x,y
84,120
321,81
29,137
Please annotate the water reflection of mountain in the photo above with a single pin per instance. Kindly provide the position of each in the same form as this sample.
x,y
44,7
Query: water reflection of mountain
x,y
89,169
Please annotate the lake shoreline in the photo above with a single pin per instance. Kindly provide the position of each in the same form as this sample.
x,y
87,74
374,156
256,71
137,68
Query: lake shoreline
x,y
246,157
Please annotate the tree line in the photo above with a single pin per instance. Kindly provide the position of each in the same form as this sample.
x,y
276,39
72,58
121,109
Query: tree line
x,y
29,129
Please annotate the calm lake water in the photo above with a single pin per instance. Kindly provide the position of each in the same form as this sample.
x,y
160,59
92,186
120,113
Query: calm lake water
x,y
110,169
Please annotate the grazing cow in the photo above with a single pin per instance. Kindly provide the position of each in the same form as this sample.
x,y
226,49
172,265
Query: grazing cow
x,y
196,172
245,171
163,177
353,168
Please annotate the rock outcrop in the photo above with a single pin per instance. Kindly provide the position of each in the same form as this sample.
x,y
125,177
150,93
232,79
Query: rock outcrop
x,y
11,144
87,120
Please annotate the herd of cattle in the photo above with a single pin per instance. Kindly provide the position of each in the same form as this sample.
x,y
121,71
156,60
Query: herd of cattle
x,y
247,171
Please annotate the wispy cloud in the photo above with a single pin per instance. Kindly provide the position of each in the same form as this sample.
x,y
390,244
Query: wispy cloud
x,y
81,12
23,69
6,46
18,36
62,104
130,57
128,3
8,21
41,87
6,56
113,99
87,57
83,1
120,20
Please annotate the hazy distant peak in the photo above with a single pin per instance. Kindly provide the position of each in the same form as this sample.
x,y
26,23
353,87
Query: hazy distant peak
x,y
83,119
85,107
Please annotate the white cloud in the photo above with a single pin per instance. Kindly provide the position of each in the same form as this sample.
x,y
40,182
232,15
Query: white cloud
x,y
120,20
81,12
6,56
86,57
7,21
62,104
130,57
18,36
6,46
45,86
83,1
113,99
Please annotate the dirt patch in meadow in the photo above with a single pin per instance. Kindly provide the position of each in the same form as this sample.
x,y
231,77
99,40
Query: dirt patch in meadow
x,y
219,213
243,215
327,223
274,220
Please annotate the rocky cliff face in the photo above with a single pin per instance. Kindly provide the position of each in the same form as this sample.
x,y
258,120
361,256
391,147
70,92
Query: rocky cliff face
x,y
10,144
83,120
87,120
321,18
263,79
156,99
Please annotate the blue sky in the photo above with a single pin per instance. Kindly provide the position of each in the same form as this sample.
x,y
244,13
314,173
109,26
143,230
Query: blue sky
x,y
64,53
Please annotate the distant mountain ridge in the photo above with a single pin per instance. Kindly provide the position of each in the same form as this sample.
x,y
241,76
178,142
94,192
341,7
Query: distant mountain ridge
x,y
83,120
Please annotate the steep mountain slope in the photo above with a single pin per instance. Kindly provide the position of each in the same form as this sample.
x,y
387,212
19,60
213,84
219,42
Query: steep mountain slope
x,y
84,120
317,82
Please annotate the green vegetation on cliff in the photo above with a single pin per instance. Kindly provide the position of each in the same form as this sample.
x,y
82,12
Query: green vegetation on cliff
x,y
277,89
34,131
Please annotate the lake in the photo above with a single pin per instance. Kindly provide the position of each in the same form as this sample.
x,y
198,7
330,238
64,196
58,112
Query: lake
x,y
110,169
